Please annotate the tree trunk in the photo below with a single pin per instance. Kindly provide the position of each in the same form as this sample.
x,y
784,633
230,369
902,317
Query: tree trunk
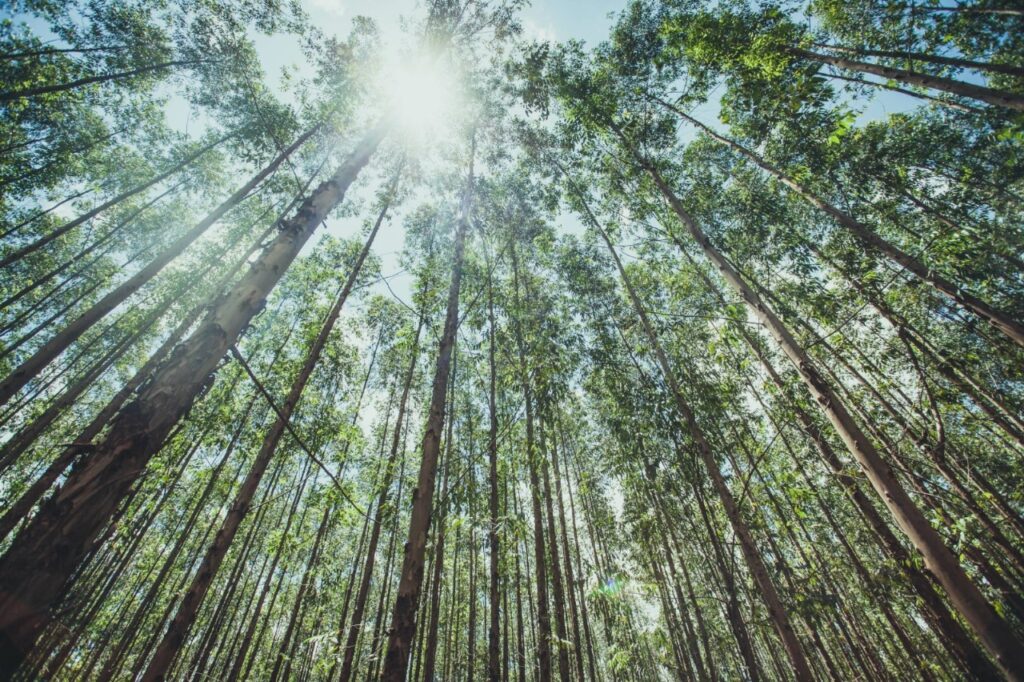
x,y
24,372
540,554
37,565
940,561
999,98
1007,69
172,641
758,570
557,586
60,87
998,319
387,478
403,622
18,254
494,634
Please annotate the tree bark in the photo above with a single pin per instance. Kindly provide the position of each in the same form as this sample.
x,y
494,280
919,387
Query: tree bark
x,y
403,621
37,565
172,641
24,372
998,98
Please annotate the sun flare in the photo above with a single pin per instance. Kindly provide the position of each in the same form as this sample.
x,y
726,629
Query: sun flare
x,y
422,97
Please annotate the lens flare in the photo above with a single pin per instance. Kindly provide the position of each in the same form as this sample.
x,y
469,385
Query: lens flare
x,y
422,97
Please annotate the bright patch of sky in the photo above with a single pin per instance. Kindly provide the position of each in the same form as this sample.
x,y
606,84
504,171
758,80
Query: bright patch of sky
x,y
554,20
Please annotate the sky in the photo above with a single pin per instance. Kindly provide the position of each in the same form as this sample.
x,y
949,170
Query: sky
x,y
555,20
550,20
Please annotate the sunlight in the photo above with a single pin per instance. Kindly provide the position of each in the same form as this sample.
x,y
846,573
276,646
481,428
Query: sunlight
x,y
423,97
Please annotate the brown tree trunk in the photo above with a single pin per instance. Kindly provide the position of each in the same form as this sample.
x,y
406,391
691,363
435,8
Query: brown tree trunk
x,y
961,646
940,561
1007,69
540,558
43,557
24,372
172,641
18,254
748,545
557,586
403,622
999,98
387,478
83,442
494,634
949,104
998,319
60,87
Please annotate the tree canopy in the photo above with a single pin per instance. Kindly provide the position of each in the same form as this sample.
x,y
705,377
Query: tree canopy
x,y
696,353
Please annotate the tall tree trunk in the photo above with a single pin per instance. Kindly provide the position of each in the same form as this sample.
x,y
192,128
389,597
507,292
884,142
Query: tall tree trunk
x,y
172,641
430,637
403,622
557,585
540,553
780,619
494,634
948,103
1000,98
83,442
282,664
998,319
1008,69
103,78
18,254
993,631
24,372
387,478
37,565
570,577
956,638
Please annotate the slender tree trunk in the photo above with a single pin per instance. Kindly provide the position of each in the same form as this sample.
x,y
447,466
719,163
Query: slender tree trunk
x,y
557,585
957,639
23,438
24,372
494,634
540,553
387,478
794,650
584,612
430,637
403,622
940,561
1007,69
18,254
949,104
66,50
37,565
570,577
998,319
999,98
172,641
61,87
83,442
282,664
